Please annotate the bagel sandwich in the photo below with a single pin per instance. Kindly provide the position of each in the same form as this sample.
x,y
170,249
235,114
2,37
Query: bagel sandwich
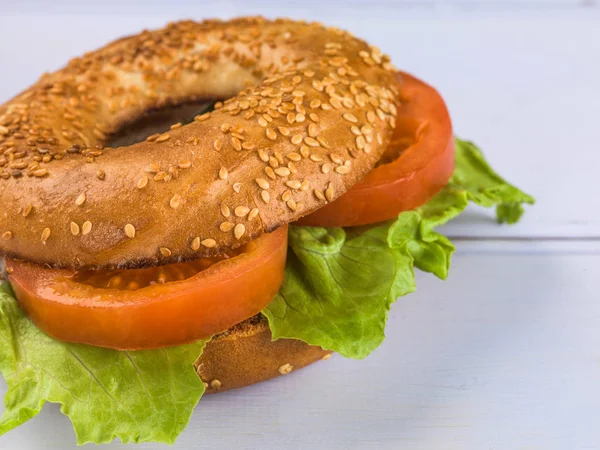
x,y
210,205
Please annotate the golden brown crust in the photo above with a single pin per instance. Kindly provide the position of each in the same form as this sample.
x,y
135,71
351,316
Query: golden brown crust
x,y
246,355
318,114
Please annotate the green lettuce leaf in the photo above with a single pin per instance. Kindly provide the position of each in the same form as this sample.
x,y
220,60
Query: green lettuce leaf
x,y
339,284
135,396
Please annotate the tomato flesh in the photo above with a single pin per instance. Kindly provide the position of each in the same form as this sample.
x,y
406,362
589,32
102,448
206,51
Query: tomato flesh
x,y
152,307
417,164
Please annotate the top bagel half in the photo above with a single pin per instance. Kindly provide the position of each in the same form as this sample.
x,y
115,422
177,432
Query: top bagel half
x,y
310,110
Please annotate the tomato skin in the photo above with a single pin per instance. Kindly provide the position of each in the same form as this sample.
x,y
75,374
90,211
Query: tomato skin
x,y
410,180
158,315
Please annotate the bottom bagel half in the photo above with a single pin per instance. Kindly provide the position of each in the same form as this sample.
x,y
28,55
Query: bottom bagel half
x,y
246,354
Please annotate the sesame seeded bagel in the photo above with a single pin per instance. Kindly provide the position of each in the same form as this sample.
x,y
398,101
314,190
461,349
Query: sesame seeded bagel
x,y
245,355
309,112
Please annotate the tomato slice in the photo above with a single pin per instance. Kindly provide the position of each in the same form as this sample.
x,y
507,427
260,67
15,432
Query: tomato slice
x,y
418,163
152,307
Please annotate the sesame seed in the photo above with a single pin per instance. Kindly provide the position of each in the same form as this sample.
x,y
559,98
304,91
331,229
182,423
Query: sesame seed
x,y
300,117
40,173
253,213
175,201
241,211
27,210
271,135
342,170
142,182
312,142
304,185
316,158
86,228
296,139
273,162
100,174
326,356
262,183
163,137
225,210
237,187
226,226
313,130
215,384
284,131
287,194
80,200
335,103
285,369
74,229
196,243
248,145
291,203
202,117
304,151
265,196
223,174
262,122
314,117
282,171
291,118
209,243
270,173
129,231
335,158
371,116
165,252
294,184
294,156
329,192
264,157
218,144
360,142
350,117
326,168
319,194
176,125
239,230
7,235
152,168
366,130
315,103
184,165
45,235
236,144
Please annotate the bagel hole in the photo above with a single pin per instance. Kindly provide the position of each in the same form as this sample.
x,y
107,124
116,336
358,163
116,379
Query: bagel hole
x,y
158,121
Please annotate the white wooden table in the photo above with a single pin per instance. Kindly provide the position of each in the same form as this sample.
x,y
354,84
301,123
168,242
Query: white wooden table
x,y
505,354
